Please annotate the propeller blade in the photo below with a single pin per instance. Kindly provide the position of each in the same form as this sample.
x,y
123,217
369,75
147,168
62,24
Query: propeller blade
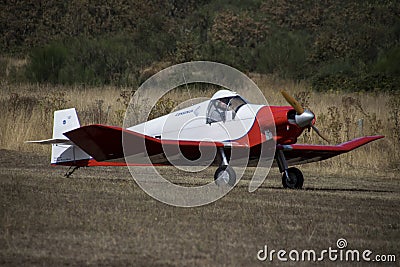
x,y
319,133
293,102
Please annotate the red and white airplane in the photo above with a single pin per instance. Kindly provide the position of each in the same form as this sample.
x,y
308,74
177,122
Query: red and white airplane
x,y
225,122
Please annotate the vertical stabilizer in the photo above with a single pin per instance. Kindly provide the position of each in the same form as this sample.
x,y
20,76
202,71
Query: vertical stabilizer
x,y
66,120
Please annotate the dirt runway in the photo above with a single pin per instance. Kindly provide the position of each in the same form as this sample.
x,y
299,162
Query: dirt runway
x,y
100,216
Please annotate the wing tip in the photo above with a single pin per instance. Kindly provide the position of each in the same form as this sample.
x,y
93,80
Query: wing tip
x,y
356,143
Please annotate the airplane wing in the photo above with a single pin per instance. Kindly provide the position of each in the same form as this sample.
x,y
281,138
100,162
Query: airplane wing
x,y
302,153
104,143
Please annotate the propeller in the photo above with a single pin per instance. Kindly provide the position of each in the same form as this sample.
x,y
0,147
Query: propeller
x,y
304,117
293,102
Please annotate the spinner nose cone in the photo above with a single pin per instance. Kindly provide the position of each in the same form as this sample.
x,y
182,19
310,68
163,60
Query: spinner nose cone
x,y
305,119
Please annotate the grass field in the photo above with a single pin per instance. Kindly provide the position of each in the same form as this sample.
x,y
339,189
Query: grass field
x,y
101,217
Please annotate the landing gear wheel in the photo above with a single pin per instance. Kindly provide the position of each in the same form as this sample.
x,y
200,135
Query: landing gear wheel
x,y
225,175
295,179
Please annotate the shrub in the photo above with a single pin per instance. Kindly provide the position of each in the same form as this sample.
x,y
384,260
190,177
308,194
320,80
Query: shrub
x,y
106,60
355,82
45,63
389,62
284,53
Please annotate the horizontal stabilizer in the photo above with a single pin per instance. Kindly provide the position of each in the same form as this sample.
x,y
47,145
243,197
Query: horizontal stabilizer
x,y
51,142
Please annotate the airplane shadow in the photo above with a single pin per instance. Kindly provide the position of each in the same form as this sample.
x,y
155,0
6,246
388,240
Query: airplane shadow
x,y
349,190
245,186
321,189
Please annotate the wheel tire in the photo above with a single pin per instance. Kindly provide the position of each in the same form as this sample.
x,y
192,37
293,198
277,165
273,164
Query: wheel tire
x,y
295,180
225,175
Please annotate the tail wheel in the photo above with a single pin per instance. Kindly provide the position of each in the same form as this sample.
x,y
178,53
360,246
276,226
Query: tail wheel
x,y
295,179
225,175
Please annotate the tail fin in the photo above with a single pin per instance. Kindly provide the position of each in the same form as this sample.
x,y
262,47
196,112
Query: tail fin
x,y
64,120
63,150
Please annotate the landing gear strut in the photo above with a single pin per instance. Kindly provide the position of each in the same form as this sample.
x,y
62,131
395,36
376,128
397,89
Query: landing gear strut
x,y
225,174
71,171
292,178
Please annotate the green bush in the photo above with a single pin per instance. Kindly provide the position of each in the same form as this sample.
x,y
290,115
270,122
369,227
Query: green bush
x,y
45,63
108,60
355,83
283,53
389,62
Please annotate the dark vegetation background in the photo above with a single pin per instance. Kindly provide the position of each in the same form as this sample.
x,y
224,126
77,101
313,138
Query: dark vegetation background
x,y
333,44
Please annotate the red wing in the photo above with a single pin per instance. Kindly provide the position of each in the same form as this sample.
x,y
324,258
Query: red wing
x,y
105,143
302,153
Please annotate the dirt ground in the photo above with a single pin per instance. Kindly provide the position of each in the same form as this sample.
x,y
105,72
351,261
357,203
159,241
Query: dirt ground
x,y
100,216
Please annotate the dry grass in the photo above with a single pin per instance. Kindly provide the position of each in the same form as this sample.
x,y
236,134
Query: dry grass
x,y
27,115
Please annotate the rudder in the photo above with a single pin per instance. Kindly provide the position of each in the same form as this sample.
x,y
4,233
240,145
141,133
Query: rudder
x,y
65,120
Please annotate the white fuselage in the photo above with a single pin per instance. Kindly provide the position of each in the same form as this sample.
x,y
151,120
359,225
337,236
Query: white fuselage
x,y
190,124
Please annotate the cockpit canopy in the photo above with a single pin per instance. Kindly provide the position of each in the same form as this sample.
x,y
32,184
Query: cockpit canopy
x,y
223,106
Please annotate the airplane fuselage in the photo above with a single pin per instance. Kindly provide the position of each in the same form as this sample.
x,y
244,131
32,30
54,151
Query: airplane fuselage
x,y
249,125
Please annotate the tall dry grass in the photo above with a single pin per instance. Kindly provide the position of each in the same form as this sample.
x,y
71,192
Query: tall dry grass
x,y
27,114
